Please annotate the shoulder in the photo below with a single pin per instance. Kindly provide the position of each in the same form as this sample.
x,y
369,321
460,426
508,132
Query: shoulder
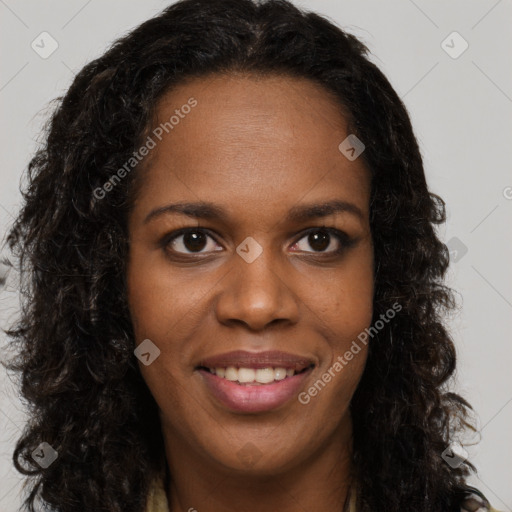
x,y
157,497
470,499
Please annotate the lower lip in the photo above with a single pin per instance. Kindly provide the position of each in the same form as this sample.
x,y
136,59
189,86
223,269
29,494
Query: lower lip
x,y
253,398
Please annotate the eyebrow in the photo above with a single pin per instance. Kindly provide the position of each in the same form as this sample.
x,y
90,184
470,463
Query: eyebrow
x,y
299,213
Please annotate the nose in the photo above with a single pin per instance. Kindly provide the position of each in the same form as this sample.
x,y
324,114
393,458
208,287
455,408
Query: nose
x,y
257,294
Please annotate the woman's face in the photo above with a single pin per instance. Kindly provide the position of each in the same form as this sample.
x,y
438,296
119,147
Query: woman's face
x,y
255,272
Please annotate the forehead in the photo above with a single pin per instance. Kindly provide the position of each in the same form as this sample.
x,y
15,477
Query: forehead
x,y
251,138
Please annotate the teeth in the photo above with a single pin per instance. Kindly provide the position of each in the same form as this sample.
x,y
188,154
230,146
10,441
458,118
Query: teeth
x,y
231,373
252,375
246,375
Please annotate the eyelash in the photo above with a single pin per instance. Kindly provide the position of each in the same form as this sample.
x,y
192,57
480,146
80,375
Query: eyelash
x,y
345,241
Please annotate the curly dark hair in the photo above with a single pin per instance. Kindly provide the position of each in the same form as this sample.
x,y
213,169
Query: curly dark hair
x,y
74,338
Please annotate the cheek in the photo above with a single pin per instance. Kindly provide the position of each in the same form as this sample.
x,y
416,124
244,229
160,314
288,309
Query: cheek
x,y
343,300
160,297
158,302
343,310
168,308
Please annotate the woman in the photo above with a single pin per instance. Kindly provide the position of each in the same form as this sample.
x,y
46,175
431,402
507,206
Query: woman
x,y
235,288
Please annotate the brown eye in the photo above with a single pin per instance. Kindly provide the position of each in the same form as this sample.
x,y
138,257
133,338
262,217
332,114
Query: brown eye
x,y
319,241
190,241
324,240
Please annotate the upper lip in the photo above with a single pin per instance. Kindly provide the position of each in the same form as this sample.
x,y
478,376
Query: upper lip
x,y
244,359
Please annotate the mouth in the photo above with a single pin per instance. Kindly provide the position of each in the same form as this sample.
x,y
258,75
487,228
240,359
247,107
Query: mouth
x,y
254,376
253,390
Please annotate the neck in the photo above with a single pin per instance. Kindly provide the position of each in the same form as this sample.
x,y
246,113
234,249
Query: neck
x,y
319,481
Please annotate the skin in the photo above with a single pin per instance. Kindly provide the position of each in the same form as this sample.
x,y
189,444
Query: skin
x,y
257,147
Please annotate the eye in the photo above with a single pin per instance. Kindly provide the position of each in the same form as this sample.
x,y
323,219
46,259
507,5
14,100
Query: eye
x,y
322,240
190,241
325,240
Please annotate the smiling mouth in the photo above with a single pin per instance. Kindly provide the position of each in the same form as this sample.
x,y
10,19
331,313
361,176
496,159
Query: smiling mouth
x,y
239,391
245,376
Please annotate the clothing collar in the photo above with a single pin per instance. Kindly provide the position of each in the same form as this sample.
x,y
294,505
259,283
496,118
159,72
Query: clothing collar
x,y
157,497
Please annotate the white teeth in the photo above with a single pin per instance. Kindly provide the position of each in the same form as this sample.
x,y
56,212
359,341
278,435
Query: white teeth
x,y
252,375
281,373
231,373
246,375
265,375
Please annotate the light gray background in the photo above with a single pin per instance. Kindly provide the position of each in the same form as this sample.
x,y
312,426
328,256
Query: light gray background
x,y
462,113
